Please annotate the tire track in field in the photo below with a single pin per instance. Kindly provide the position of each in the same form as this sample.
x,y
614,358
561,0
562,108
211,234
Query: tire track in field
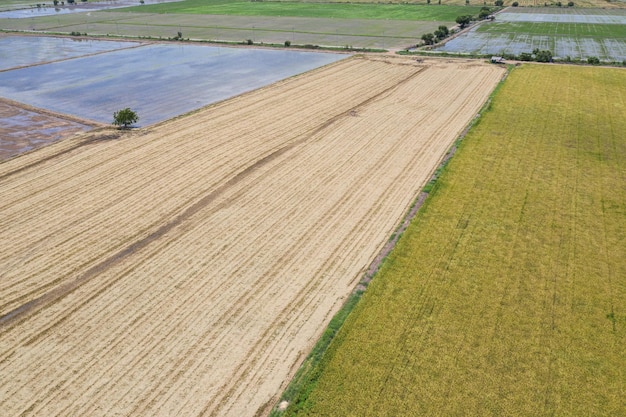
x,y
240,302
52,296
65,226
249,355
306,292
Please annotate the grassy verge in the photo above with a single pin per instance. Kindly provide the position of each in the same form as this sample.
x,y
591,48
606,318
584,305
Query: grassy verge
x,y
507,294
321,10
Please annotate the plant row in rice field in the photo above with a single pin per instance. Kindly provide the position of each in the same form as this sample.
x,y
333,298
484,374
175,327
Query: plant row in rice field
x,y
507,294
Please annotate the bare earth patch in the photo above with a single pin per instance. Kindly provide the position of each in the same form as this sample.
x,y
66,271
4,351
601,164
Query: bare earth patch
x,y
186,269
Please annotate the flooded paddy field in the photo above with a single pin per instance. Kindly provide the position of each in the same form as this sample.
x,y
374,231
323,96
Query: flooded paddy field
x,y
158,81
23,129
31,10
592,16
19,51
596,33
561,46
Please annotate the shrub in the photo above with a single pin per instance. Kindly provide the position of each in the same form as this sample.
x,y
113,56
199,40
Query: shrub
x,y
570,4
515,4
249,42
593,60
125,117
463,20
428,38
543,56
525,56
287,43
499,3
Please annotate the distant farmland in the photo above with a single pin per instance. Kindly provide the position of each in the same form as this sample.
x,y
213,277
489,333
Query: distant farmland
x,y
507,295
594,33
306,9
367,33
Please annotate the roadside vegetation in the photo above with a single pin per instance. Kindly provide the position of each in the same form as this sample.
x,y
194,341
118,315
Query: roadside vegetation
x,y
506,295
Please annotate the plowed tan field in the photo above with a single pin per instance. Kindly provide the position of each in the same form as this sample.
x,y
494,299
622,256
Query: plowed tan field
x,y
186,269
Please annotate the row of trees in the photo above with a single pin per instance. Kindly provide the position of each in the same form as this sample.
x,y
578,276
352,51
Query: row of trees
x,y
536,55
443,32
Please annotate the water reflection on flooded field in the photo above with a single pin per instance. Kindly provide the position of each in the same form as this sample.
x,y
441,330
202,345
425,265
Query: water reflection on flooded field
x,y
91,80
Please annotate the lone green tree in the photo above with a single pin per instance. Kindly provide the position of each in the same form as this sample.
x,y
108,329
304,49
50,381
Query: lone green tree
x,y
125,117
428,38
464,20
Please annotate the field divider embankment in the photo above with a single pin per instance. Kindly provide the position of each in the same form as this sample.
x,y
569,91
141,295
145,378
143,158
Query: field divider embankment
x,y
18,314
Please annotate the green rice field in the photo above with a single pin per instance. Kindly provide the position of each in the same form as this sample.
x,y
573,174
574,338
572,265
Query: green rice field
x,y
318,10
507,294
571,30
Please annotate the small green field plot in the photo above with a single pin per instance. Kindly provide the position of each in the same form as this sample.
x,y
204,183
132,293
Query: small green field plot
x,y
575,30
607,9
605,42
568,34
591,16
302,9
507,294
578,4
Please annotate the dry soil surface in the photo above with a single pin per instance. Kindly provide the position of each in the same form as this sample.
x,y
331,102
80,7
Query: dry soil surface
x,y
186,269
